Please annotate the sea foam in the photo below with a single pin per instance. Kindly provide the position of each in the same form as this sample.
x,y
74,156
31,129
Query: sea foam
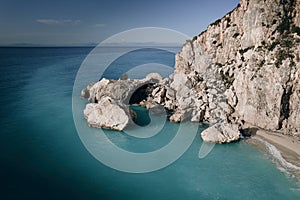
x,y
278,158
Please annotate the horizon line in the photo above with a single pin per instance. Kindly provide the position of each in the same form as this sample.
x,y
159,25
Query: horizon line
x,y
84,46
110,44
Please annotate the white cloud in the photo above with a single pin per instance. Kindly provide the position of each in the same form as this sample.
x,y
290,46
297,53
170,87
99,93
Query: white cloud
x,y
99,25
56,22
48,21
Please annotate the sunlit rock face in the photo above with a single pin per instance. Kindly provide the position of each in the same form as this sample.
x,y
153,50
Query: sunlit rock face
x,y
109,101
244,68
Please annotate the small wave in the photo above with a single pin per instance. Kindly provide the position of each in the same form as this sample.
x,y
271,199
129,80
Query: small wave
x,y
277,155
295,189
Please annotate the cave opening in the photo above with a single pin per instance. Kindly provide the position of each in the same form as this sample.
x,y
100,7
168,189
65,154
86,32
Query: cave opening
x,y
142,117
285,105
140,94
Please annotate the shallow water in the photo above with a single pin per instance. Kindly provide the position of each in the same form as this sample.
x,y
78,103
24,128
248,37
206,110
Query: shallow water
x,y
43,157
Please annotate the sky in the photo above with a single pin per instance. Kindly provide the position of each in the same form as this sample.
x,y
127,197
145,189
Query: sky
x,y
85,22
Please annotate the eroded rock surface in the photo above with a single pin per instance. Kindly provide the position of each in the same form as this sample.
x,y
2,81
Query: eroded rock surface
x,y
221,133
107,113
108,105
244,68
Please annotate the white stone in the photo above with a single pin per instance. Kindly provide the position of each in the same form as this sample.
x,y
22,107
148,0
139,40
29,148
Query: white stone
x,y
106,114
221,133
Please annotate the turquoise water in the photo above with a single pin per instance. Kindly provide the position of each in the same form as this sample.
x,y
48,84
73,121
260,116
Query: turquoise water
x,y
42,156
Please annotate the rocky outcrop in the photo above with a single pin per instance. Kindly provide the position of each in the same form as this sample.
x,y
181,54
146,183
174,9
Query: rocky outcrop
x,y
221,133
107,113
109,101
244,68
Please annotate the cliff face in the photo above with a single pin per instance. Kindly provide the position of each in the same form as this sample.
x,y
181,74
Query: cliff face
x,y
244,67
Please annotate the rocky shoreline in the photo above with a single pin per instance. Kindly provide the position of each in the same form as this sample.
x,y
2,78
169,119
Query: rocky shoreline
x,y
245,68
109,101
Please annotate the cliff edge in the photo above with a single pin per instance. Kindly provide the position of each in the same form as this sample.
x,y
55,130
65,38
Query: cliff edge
x,y
245,68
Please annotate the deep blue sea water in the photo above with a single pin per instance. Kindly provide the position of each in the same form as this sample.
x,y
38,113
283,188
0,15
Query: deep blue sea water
x,y
42,156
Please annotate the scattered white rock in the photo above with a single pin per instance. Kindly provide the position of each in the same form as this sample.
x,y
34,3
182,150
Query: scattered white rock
x,y
221,133
107,114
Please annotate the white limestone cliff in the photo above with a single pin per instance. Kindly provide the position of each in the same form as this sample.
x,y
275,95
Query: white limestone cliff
x,y
244,68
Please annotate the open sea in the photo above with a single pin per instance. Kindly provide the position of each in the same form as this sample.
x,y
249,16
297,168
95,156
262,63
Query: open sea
x,y
42,155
